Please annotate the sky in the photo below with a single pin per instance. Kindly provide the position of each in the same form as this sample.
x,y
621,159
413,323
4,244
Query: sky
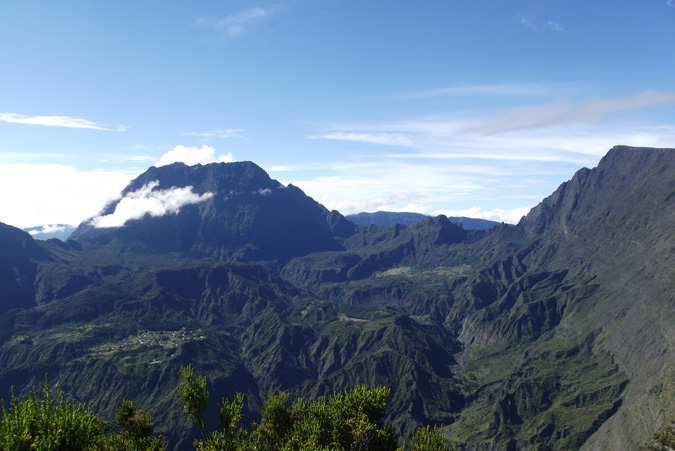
x,y
466,108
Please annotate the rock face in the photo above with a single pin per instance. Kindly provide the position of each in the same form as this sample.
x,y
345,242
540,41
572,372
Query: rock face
x,y
247,217
556,333
616,222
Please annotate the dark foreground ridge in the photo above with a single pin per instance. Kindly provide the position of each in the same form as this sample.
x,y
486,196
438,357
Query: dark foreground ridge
x,y
556,333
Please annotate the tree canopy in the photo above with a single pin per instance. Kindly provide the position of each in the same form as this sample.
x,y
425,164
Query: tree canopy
x,y
349,420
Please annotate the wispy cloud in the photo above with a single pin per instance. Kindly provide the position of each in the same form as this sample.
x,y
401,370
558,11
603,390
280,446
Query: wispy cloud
x,y
565,112
527,23
505,162
391,139
227,133
549,25
505,89
193,155
670,3
278,168
148,201
57,121
240,23
555,26
139,158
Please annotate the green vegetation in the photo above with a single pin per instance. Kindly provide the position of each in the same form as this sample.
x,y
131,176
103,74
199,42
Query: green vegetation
x,y
427,439
40,424
35,423
352,420
344,421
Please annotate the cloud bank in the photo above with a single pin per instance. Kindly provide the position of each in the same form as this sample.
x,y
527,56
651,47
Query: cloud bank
x,y
193,155
57,121
144,201
48,228
37,194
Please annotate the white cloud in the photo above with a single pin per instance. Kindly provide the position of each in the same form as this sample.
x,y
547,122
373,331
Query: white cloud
x,y
571,132
505,89
38,194
555,26
139,158
193,155
527,23
227,133
240,23
146,200
391,139
49,228
565,112
278,168
551,25
57,121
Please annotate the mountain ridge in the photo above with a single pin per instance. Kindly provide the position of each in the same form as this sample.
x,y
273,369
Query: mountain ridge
x,y
387,218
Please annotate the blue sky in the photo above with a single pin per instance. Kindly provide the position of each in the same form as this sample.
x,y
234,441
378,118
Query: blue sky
x,y
480,108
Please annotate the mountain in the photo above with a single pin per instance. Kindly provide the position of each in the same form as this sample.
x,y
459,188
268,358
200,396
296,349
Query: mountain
x,y
387,218
240,213
555,333
18,268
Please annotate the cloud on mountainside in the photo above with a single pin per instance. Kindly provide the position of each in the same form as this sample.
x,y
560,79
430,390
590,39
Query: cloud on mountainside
x,y
60,194
193,155
144,201
57,121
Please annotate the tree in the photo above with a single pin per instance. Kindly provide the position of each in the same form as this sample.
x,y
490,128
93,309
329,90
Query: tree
x,y
35,423
427,439
345,421
195,396
135,431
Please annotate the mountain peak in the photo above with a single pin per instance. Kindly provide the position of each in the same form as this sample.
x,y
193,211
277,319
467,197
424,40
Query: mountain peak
x,y
612,190
221,210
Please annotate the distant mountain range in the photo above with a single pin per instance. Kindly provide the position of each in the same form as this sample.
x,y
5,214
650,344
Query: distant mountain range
x,y
383,218
387,218
556,333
